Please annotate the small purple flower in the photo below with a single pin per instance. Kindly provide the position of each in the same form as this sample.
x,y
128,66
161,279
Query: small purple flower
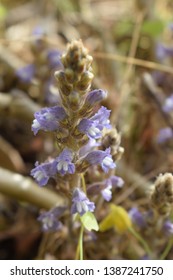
x,y
103,158
91,128
108,185
41,173
49,219
64,163
51,92
113,181
26,74
107,192
168,106
95,96
164,135
137,217
80,203
102,117
116,181
168,227
88,147
48,119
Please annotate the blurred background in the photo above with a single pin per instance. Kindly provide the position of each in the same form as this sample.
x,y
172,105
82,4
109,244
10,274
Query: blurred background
x,y
131,42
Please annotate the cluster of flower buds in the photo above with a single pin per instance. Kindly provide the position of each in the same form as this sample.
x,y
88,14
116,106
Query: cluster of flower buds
x,y
81,134
162,196
158,218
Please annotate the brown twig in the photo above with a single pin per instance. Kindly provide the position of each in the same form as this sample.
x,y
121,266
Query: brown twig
x,y
17,105
25,189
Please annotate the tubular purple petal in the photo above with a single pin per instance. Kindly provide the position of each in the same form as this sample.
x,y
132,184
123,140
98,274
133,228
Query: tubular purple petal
x,y
80,203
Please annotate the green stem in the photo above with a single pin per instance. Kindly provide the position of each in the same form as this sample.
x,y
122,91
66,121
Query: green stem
x,y
83,182
79,251
167,249
143,242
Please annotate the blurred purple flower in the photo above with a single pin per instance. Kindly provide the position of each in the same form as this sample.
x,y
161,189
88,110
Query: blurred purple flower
x,y
113,181
41,173
103,158
49,219
168,105
163,51
168,227
137,217
116,181
170,26
164,135
54,59
51,92
80,203
64,163
26,74
107,192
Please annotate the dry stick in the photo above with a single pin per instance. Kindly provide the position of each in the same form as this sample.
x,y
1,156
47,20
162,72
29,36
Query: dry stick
x,y
125,89
24,189
133,48
18,105
9,58
134,61
138,181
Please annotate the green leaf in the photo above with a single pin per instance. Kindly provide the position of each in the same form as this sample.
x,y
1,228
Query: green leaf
x,y
153,27
89,221
123,27
3,12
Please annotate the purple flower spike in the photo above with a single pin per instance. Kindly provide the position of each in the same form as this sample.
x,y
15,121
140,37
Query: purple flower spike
x,y
49,219
168,227
64,163
48,118
102,117
103,158
168,106
96,96
137,217
26,74
164,135
41,173
90,128
80,203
